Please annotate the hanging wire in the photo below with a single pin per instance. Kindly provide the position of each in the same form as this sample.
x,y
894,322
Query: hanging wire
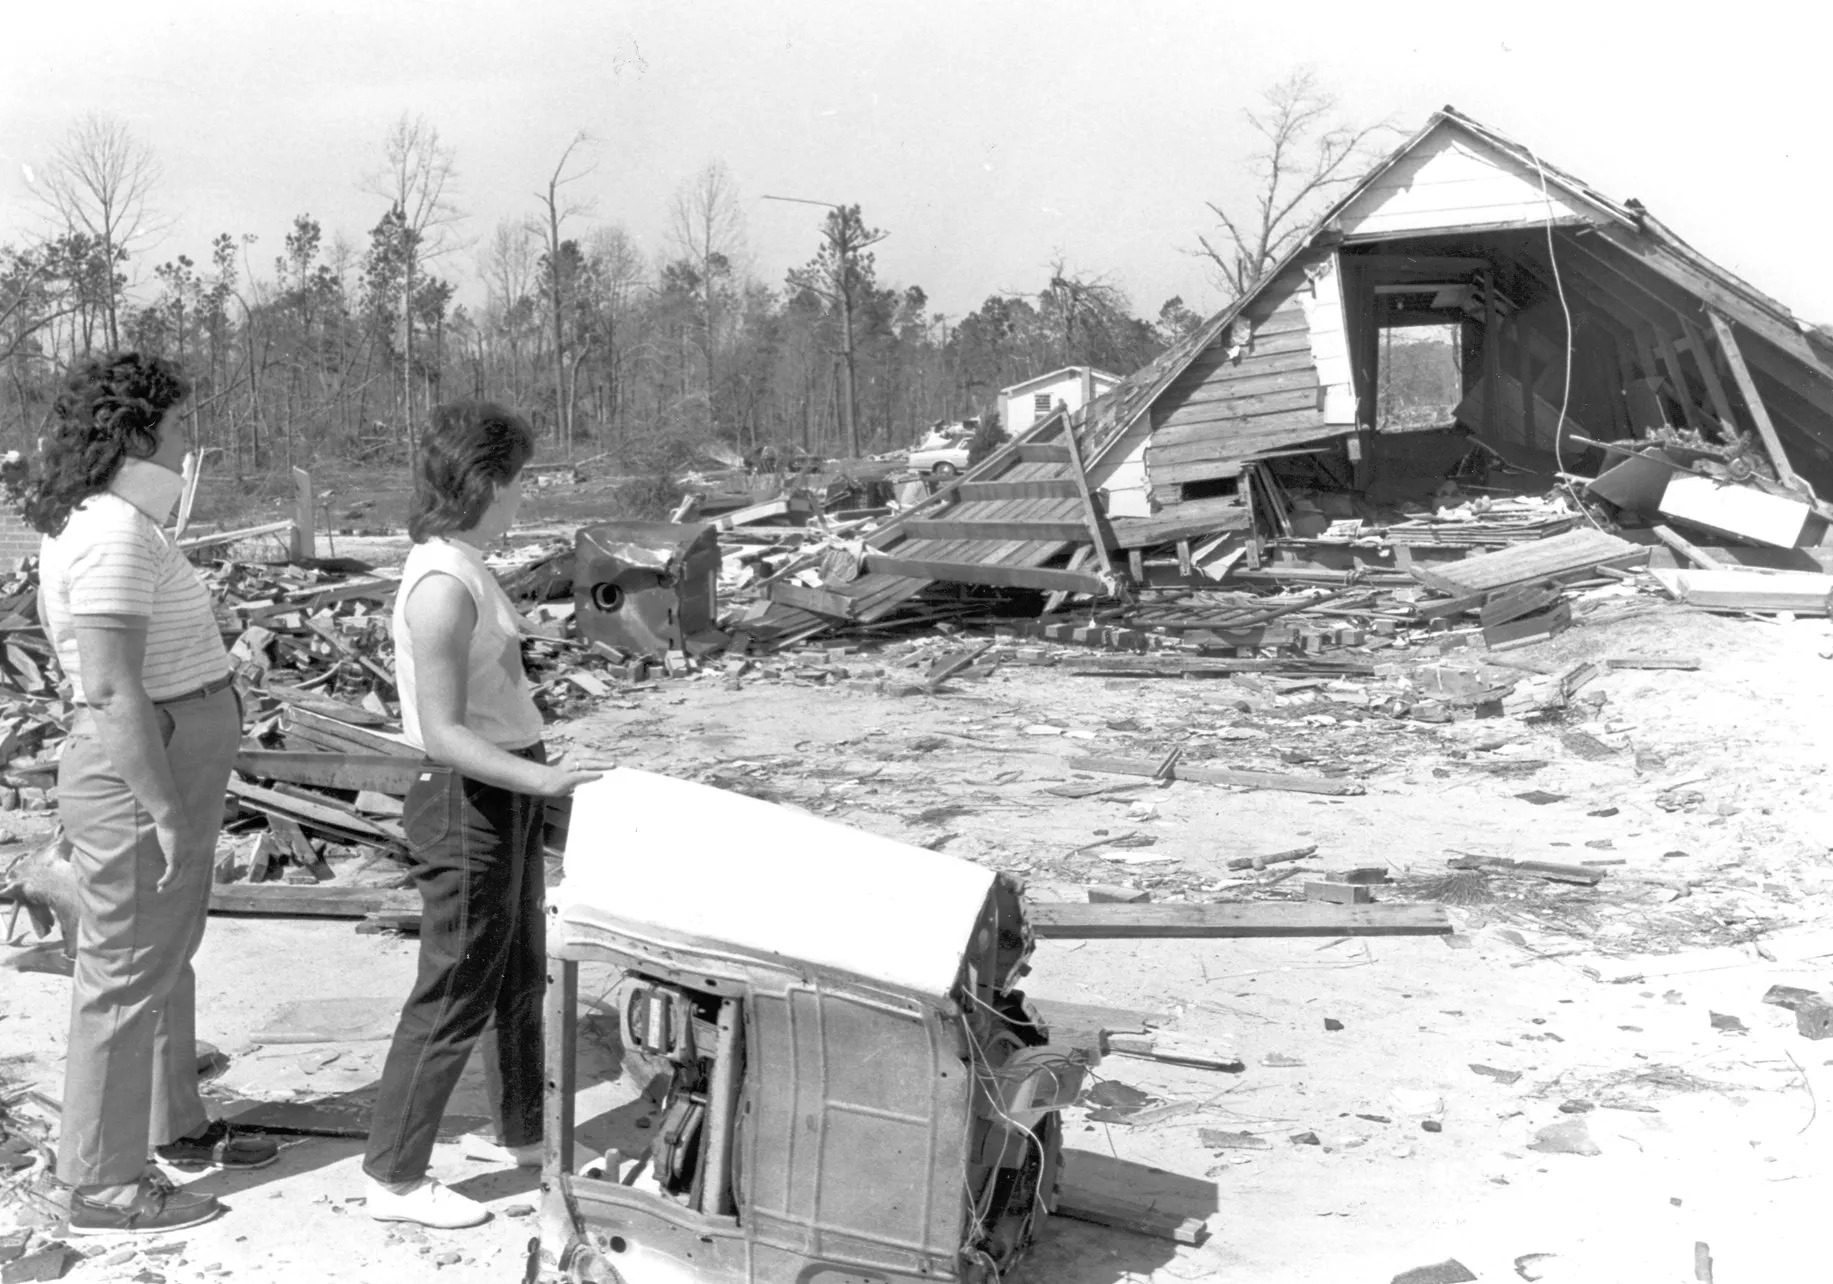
x,y
1565,395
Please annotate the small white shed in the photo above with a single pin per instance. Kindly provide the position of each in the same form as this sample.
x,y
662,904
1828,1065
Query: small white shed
x,y
1023,404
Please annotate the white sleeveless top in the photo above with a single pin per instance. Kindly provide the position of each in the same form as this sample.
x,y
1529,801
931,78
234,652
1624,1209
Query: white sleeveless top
x,y
499,705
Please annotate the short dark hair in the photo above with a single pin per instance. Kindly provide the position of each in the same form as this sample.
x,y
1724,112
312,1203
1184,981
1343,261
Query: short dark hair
x,y
109,410
472,448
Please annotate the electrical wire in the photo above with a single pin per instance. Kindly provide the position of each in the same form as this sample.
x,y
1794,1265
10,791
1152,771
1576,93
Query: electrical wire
x,y
1565,395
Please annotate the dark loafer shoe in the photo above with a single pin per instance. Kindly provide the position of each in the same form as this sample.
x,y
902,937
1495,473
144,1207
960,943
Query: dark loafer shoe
x,y
154,1209
218,1146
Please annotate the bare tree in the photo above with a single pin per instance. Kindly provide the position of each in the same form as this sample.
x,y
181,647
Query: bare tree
x,y
97,183
507,266
1304,159
413,178
708,229
557,274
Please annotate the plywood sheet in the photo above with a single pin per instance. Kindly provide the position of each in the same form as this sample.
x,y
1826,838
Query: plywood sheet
x,y
1748,590
1743,511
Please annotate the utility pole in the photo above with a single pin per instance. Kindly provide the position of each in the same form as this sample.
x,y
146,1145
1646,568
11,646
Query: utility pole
x,y
847,237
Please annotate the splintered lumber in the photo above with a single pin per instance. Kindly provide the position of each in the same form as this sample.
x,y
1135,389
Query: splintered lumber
x,y
337,710
1218,776
1653,662
1554,870
1261,862
1071,921
1570,556
1753,400
1093,1187
376,772
326,815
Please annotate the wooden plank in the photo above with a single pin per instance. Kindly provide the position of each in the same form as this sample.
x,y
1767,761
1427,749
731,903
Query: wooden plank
x,y
1167,527
992,574
1228,921
1559,557
1064,532
1096,534
1708,373
303,543
820,601
1029,452
286,900
1677,375
382,773
1221,409
234,536
321,815
344,734
1237,439
1292,372
1104,1190
971,491
1753,400
1685,548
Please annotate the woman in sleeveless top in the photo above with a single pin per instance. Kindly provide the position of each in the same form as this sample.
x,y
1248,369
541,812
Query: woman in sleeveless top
x,y
473,818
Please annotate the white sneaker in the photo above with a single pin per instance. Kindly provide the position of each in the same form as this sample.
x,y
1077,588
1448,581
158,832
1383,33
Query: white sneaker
x,y
476,1147
426,1202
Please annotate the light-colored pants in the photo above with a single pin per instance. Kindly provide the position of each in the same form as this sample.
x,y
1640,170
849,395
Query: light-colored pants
x,y
130,1078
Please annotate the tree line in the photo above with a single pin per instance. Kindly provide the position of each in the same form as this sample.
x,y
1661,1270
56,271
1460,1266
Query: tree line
x,y
336,348
333,347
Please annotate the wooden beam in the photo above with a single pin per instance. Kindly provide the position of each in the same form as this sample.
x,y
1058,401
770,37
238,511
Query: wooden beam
x,y
383,773
233,537
1708,371
304,541
1728,344
1718,295
971,491
1029,452
1075,922
285,900
1664,345
991,574
1667,535
1061,532
1096,531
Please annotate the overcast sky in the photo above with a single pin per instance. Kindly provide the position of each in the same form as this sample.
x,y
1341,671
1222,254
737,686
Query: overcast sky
x,y
988,138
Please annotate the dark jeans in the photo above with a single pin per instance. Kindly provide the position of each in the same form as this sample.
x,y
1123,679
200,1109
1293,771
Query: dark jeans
x,y
483,946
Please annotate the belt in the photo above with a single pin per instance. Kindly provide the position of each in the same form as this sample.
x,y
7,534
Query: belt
x,y
208,689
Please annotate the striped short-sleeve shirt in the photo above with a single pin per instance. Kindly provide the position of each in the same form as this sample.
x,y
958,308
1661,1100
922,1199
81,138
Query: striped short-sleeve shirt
x,y
113,559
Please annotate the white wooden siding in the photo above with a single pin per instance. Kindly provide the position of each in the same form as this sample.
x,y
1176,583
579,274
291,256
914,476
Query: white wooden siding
x,y
1323,305
1018,404
1121,474
1454,180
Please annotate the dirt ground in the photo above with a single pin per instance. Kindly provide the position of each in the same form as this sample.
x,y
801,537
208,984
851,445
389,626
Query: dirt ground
x,y
1627,1016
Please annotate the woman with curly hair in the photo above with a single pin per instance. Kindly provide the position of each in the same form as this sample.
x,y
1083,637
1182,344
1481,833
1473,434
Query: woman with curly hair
x,y
140,791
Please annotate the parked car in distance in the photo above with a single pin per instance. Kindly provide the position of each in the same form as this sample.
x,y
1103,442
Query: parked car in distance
x,y
944,451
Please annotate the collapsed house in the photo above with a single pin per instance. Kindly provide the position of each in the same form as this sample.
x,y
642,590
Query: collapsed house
x,y
1594,350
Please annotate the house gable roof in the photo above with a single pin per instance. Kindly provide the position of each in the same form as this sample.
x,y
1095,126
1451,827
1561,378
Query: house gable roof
x,y
1056,376
1450,149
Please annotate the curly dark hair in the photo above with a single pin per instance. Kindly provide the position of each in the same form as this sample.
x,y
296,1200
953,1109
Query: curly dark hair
x,y
471,448
109,410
